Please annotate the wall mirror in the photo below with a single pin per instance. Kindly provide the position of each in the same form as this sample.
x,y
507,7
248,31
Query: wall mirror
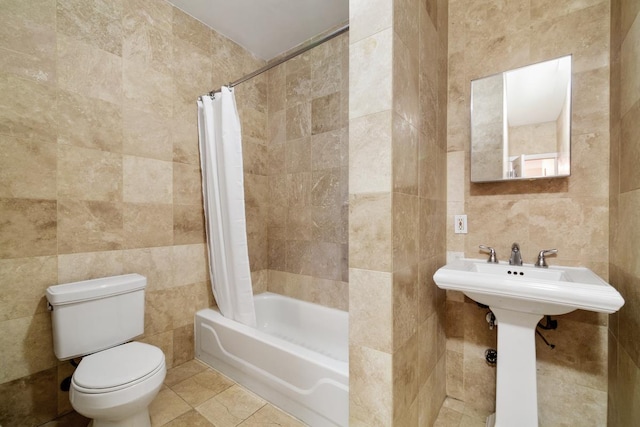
x,y
521,123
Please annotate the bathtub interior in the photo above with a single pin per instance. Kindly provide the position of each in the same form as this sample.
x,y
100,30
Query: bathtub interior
x,y
304,372
320,329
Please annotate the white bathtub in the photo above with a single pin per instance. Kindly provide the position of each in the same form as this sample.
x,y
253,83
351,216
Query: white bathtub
x,y
296,358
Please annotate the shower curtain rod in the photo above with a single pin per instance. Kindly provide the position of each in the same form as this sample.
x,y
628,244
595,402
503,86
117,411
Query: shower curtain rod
x,y
293,54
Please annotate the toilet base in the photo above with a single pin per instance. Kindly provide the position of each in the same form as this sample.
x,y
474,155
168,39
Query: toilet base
x,y
140,419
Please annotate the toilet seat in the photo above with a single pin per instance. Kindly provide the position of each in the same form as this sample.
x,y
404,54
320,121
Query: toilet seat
x,y
116,368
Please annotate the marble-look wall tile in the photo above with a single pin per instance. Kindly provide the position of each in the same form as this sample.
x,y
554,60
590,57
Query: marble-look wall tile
x,y
184,134
298,121
146,89
406,82
369,17
147,225
172,308
187,187
276,90
28,400
28,228
89,122
428,78
628,272
164,341
405,156
191,30
89,265
551,38
326,188
405,381
260,281
156,264
370,148
406,216
191,70
32,333
329,149
590,99
27,169
582,221
85,174
325,113
297,84
427,290
147,180
297,155
147,33
24,118
28,40
103,30
255,157
23,282
326,74
330,293
630,152
370,238
189,264
370,387
570,400
330,223
183,344
427,348
432,395
86,226
588,173
375,49
548,9
405,306
627,390
88,70
146,134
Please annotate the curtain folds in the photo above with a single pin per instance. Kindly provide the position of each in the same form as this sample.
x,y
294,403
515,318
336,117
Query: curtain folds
x,y
223,195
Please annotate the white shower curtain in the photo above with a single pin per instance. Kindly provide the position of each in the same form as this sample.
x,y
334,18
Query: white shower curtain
x,y
223,191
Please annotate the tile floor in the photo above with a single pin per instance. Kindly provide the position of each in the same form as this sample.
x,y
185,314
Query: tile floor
x,y
454,413
194,395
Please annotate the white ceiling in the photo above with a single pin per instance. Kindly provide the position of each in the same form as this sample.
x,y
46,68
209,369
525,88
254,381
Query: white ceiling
x,y
267,28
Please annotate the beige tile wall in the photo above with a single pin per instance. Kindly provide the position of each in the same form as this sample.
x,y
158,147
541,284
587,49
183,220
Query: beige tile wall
x,y
397,190
570,214
99,173
308,175
624,327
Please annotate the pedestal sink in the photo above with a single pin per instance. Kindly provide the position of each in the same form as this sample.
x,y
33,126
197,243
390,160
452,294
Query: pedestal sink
x,y
519,297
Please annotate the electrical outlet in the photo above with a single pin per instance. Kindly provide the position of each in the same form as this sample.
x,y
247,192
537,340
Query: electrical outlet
x,y
460,224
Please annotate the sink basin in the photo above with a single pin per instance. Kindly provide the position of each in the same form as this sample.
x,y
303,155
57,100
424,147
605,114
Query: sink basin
x,y
519,297
554,290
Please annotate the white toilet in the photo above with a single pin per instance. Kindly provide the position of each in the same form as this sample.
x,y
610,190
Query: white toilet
x,y
115,382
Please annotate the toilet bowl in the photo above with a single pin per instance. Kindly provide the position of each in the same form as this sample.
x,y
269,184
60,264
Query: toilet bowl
x,y
114,387
117,378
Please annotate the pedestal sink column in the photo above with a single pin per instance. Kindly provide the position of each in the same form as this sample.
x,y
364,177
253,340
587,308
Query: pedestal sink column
x,y
516,387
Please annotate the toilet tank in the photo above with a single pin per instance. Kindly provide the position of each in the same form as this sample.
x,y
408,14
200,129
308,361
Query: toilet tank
x,y
96,314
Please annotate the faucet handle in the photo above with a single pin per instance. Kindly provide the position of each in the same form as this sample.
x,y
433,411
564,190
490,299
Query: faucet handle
x,y
492,253
542,261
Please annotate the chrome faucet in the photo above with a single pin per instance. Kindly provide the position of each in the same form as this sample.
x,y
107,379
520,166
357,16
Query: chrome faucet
x,y
542,261
492,253
516,256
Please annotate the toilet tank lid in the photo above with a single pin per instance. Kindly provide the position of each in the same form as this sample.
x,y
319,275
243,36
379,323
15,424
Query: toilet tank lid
x,y
94,288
